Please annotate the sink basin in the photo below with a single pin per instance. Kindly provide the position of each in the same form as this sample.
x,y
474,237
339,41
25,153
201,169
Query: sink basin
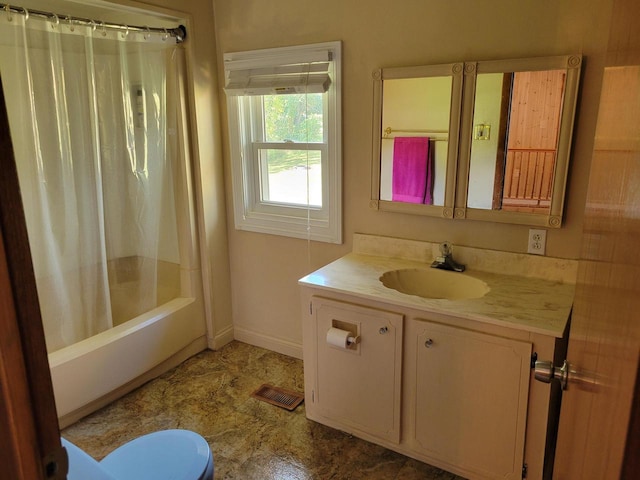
x,y
433,283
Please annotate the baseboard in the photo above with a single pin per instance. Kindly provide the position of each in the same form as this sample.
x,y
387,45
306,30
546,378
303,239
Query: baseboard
x,y
197,346
279,345
221,339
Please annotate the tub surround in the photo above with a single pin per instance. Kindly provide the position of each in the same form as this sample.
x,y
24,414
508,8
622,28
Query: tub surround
x,y
537,305
127,284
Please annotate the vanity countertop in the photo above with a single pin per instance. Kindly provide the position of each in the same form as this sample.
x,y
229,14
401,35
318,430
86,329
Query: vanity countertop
x,y
530,304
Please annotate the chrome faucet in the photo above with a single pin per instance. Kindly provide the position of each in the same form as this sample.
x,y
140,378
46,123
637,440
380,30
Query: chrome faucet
x,y
445,260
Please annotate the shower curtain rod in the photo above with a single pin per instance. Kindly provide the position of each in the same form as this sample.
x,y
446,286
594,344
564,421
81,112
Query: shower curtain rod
x,y
179,32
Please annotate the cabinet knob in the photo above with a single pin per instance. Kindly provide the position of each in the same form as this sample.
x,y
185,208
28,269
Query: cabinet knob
x,y
428,343
383,330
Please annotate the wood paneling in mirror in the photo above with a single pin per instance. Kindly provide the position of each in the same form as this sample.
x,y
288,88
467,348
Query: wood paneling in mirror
x,y
534,122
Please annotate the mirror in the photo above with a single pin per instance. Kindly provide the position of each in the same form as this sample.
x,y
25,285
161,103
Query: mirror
x,y
516,136
416,138
485,140
415,114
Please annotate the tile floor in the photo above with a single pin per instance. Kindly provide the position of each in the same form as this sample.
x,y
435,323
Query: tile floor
x,y
211,394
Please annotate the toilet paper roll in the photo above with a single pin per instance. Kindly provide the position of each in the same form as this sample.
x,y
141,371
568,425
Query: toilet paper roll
x,y
339,338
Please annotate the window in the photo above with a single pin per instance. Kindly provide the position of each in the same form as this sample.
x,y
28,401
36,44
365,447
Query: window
x,y
284,124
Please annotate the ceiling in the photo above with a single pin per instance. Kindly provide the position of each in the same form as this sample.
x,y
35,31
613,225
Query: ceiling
x,y
100,10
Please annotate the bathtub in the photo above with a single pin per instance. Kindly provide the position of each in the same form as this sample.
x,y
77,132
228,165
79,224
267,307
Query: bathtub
x,y
93,372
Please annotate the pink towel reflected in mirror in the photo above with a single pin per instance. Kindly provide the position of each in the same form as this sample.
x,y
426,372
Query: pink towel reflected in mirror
x,y
412,170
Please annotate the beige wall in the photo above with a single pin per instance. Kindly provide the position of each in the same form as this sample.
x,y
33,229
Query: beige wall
x,y
376,33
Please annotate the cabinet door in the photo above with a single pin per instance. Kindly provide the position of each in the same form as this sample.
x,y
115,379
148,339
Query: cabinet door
x,y
359,387
470,403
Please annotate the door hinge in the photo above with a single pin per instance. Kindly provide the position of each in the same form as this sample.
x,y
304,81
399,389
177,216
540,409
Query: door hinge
x,y
525,469
534,359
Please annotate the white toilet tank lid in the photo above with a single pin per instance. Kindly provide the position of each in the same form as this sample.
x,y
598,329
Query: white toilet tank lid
x,y
167,454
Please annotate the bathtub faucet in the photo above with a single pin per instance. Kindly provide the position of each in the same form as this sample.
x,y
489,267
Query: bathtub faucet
x,y
445,260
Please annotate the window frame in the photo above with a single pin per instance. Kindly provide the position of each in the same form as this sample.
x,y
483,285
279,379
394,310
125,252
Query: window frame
x,y
245,117
263,182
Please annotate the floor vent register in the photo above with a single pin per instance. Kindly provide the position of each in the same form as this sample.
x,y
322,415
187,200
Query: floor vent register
x,y
278,396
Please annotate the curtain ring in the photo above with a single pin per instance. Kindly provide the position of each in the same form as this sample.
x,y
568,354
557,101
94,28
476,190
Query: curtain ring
x,y
126,31
55,20
147,34
93,25
25,13
165,36
104,29
7,8
70,21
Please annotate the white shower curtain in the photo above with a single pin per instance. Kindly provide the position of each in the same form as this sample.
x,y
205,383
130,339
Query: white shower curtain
x,y
87,112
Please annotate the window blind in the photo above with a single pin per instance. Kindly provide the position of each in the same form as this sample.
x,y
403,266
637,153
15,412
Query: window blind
x,y
264,74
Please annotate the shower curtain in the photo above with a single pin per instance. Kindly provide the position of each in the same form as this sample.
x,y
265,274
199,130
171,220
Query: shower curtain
x,y
88,118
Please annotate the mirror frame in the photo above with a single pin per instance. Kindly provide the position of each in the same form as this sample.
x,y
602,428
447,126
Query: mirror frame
x,y
453,70
572,65
463,90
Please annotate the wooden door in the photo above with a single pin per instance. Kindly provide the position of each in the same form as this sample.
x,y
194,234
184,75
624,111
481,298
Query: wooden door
x,y
30,447
596,421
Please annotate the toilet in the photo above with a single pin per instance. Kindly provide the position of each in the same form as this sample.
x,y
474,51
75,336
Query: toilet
x,y
167,454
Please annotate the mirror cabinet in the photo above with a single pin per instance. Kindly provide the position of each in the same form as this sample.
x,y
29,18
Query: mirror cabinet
x,y
416,114
485,140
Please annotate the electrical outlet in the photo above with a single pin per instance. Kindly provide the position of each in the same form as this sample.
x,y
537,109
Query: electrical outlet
x,y
537,241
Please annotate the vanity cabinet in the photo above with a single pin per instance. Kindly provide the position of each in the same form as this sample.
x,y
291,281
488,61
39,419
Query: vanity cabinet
x,y
356,388
468,395
455,393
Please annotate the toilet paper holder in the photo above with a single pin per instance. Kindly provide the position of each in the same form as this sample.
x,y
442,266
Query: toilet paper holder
x,y
344,335
353,340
